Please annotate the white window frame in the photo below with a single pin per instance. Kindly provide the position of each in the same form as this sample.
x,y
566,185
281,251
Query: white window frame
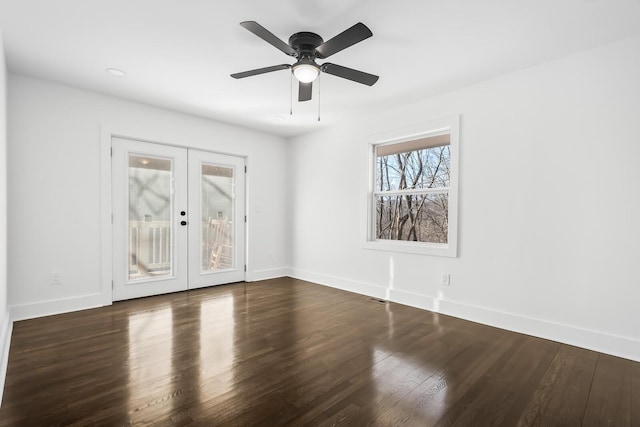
x,y
447,125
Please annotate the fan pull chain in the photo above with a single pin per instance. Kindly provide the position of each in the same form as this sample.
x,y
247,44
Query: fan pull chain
x,y
319,96
291,95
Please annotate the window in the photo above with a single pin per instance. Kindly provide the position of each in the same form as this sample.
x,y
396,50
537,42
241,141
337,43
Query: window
x,y
412,196
412,190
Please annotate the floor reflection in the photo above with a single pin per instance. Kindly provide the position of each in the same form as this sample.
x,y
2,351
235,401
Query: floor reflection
x,y
150,362
217,329
412,380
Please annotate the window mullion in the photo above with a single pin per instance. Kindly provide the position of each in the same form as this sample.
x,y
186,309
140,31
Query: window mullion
x,y
439,190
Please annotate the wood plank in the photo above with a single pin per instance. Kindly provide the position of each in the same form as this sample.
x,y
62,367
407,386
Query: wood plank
x,y
427,403
635,394
610,397
389,380
562,394
509,381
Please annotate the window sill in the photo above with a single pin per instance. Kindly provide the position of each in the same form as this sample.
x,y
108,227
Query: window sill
x,y
434,249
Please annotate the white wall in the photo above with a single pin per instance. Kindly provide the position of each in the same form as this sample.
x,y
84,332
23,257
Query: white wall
x,y
3,184
54,192
549,237
5,324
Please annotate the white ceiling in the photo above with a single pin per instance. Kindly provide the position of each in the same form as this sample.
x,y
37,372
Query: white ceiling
x,y
178,54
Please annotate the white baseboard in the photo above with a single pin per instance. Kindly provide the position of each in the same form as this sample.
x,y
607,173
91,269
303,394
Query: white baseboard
x,y
615,345
339,283
620,346
48,308
5,343
412,299
272,273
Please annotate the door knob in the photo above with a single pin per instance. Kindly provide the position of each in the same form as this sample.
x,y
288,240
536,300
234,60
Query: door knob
x,y
183,213
183,222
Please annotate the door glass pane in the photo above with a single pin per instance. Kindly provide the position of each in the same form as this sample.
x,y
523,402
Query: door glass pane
x,y
217,217
150,208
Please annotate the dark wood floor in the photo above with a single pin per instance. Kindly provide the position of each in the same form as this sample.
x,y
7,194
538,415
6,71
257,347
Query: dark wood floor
x,y
288,352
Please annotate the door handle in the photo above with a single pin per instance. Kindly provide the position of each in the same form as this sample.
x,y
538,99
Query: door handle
x,y
183,222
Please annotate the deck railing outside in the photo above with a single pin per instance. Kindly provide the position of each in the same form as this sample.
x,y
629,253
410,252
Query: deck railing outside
x,y
149,248
150,253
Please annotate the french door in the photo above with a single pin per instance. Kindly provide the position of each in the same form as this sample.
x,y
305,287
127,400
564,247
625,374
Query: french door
x,y
178,219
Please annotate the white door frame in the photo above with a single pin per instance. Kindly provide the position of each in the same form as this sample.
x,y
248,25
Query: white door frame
x,y
106,229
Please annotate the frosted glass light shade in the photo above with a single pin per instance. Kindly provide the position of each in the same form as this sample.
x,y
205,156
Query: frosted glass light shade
x,y
306,73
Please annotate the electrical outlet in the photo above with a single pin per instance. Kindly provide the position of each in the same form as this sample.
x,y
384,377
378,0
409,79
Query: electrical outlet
x,y
446,279
56,278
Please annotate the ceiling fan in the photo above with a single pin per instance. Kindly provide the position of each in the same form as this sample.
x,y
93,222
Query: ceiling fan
x,y
307,47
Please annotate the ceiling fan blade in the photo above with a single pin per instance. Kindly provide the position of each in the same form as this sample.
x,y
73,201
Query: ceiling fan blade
x,y
347,38
350,74
304,91
260,71
267,36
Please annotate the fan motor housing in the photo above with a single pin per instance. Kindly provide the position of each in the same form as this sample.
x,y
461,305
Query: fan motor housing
x,y
305,42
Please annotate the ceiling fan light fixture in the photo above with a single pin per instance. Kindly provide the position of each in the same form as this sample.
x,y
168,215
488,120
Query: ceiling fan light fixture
x,y
306,47
306,72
